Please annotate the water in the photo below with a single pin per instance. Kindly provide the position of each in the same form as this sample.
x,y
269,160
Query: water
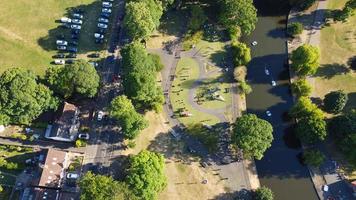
x,y
280,168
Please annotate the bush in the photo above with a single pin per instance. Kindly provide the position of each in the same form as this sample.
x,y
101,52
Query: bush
x,y
241,53
335,101
301,88
294,29
313,158
245,88
131,144
19,136
191,39
240,73
264,193
235,33
156,61
80,143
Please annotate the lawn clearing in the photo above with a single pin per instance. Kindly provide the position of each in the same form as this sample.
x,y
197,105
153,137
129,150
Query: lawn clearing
x,y
15,154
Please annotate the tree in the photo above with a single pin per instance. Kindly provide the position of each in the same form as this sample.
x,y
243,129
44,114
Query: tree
x,y
123,111
313,157
301,88
305,60
346,12
241,53
155,9
145,175
264,193
77,78
295,29
304,108
22,98
139,80
240,73
335,101
245,88
311,129
238,13
197,18
253,135
101,187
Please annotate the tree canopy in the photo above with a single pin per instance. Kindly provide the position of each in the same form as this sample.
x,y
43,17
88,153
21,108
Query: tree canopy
x,y
124,112
313,157
304,108
305,60
139,80
295,28
335,101
311,129
264,193
78,78
101,187
301,88
238,13
22,98
145,175
241,53
253,135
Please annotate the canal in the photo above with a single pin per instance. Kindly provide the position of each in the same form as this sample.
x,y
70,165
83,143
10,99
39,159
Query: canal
x,y
280,169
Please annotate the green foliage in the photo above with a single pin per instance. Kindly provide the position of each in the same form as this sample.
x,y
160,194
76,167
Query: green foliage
x,y
311,129
295,28
313,157
19,136
264,193
139,81
335,101
241,53
131,144
304,108
8,165
79,77
101,187
253,135
235,33
156,60
124,112
22,99
305,60
244,88
191,39
80,143
145,175
346,12
197,18
301,88
207,137
238,13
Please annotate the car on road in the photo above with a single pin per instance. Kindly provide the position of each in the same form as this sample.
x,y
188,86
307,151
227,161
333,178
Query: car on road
x,y
94,55
84,136
75,26
107,4
65,20
77,21
72,176
268,113
100,115
72,49
61,47
77,15
103,20
98,35
266,71
59,62
106,10
101,25
273,83
61,42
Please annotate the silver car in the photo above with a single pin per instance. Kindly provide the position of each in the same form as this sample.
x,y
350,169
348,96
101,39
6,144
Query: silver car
x,y
77,21
101,25
75,26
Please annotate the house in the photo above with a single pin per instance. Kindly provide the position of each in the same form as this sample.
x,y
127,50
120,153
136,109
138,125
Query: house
x,y
66,126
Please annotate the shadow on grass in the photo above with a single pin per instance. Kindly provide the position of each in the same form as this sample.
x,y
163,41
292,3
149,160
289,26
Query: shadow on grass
x,y
174,21
330,70
238,195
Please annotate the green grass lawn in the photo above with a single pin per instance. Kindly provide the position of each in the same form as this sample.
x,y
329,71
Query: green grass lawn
x,y
187,72
338,44
16,154
28,30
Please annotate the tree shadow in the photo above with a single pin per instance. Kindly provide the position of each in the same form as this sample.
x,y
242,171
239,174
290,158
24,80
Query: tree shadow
x,y
238,195
328,71
277,33
173,22
352,63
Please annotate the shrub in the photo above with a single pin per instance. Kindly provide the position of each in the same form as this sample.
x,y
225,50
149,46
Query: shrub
x,y
131,144
80,143
241,53
19,136
294,29
264,193
240,73
301,88
335,101
191,39
245,88
313,158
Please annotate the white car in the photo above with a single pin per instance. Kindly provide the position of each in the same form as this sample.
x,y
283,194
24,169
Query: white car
x,y
273,83
254,43
98,35
100,115
100,25
61,47
75,26
107,4
78,16
77,21
266,71
268,113
61,42
106,10
59,62
72,176
84,136
103,20
66,20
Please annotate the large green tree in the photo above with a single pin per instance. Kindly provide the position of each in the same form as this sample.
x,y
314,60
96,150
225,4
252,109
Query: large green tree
x,y
253,135
124,112
335,101
77,78
304,108
311,129
155,9
305,60
101,187
140,71
238,13
264,193
145,175
22,98
313,157
241,53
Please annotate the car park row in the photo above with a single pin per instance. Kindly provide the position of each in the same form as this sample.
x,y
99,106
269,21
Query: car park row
x,y
103,21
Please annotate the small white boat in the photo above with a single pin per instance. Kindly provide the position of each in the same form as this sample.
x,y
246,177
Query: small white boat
x,y
273,83
254,43
268,113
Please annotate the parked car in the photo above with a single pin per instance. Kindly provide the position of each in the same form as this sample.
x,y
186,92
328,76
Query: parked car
x,y
100,25
100,115
101,31
69,61
60,55
98,35
72,49
94,55
107,4
103,20
71,55
99,41
61,47
59,62
66,20
60,37
75,31
72,176
78,15
105,15
106,10
75,36
73,43
77,21
61,42
75,26
84,136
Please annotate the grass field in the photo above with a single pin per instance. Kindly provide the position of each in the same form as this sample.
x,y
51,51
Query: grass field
x,y
28,30
338,44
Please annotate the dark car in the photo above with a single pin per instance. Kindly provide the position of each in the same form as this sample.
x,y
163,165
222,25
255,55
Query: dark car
x,y
60,55
71,55
69,61
73,43
101,31
72,49
75,37
106,15
94,55
75,31
99,41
